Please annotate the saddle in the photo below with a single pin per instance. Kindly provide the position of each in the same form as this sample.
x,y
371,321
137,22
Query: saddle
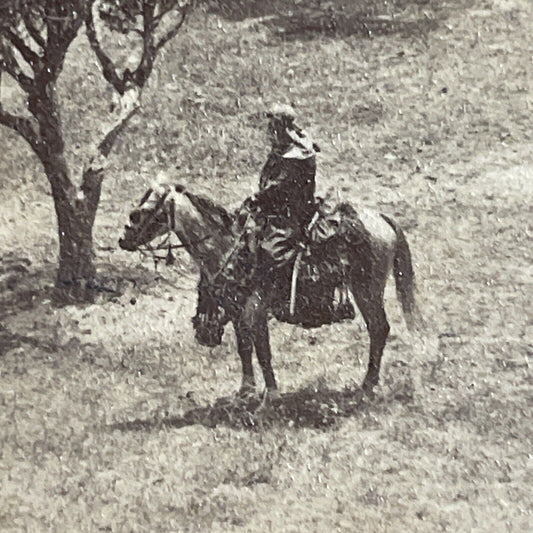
x,y
313,287
315,293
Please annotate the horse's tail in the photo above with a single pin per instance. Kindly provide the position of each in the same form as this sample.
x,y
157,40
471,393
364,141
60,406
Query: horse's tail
x,y
404,276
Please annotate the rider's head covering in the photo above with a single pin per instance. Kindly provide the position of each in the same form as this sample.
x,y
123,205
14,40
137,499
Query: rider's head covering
x,y
284,132
280,122
281,113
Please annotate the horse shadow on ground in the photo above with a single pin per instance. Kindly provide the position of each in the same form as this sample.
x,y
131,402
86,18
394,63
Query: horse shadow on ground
x,y
306,408
306,20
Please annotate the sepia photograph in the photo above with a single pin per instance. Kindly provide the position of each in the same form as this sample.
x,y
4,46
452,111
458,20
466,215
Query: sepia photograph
x,y
266,266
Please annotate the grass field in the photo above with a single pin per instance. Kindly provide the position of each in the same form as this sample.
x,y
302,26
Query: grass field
x,y
113,419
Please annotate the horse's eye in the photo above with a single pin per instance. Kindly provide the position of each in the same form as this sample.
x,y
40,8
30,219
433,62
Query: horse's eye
x,y
135,217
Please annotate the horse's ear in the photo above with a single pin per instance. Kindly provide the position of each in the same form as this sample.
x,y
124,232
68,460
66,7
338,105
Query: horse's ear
x,y
146,196
161,184
161,178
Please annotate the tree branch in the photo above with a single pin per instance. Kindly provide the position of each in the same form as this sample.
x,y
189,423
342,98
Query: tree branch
x,y
174,31
26,52
107,143
128,107
108,67
150,22
142,72
34,33
63,21
91,188
164,11
9,64
53,23
23,127
93,173
80,15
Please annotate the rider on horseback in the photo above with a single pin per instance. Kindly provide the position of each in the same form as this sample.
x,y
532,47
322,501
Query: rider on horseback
x,y
288,228
280,225
285,204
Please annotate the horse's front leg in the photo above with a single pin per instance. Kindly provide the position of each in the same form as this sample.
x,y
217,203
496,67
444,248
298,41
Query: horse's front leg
x,y
253,326
245,348
261,340
264,355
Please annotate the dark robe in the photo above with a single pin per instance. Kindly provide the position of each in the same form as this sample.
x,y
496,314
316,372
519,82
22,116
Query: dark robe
x,y
287,189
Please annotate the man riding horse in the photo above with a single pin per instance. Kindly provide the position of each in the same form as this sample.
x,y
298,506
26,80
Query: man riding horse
x,y
360,250
280,223
285,204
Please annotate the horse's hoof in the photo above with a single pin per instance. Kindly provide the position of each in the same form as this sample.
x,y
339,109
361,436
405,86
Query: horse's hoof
x,y
270,400
368,389
272,396
246,392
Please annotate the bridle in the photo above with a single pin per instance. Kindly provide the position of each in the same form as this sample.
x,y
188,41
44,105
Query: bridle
x,y
148,249
170,224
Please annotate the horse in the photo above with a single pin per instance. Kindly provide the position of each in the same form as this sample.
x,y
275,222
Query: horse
x,y
371,246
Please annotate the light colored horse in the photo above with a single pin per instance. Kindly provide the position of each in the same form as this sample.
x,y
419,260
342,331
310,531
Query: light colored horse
x,y
372,247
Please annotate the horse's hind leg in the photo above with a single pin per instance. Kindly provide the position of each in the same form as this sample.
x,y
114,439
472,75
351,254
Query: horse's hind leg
x,y
371,307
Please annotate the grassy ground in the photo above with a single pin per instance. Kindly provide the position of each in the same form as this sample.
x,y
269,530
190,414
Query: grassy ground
x,y
113,419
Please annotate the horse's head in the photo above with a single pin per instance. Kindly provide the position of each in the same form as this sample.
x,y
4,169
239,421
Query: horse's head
x,y
195,219
154,216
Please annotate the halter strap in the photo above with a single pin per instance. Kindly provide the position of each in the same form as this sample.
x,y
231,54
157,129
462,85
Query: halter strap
x,y
156,208
172,215
198,204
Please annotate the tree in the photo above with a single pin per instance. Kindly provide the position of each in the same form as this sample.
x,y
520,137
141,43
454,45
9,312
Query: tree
x,y
35,36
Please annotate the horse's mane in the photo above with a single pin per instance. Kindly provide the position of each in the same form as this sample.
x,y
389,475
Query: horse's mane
x,y
215,213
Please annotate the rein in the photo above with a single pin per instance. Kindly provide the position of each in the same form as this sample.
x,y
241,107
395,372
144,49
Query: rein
x,y
147,248
169,258
170,212
231,252
164,245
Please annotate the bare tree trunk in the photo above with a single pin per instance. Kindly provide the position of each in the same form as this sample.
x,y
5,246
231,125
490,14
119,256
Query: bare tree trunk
x,y
75,206
75,211
34,40
76,273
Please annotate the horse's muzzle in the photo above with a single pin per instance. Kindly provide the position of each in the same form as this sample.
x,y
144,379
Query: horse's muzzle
x,y
208,330
127,245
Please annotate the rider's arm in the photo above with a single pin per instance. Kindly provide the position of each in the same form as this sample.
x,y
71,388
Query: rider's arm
x,y
273,190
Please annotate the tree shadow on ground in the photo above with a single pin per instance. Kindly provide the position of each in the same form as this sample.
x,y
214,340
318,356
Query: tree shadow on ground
x,y
10,341
25,287
307,408
295,19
